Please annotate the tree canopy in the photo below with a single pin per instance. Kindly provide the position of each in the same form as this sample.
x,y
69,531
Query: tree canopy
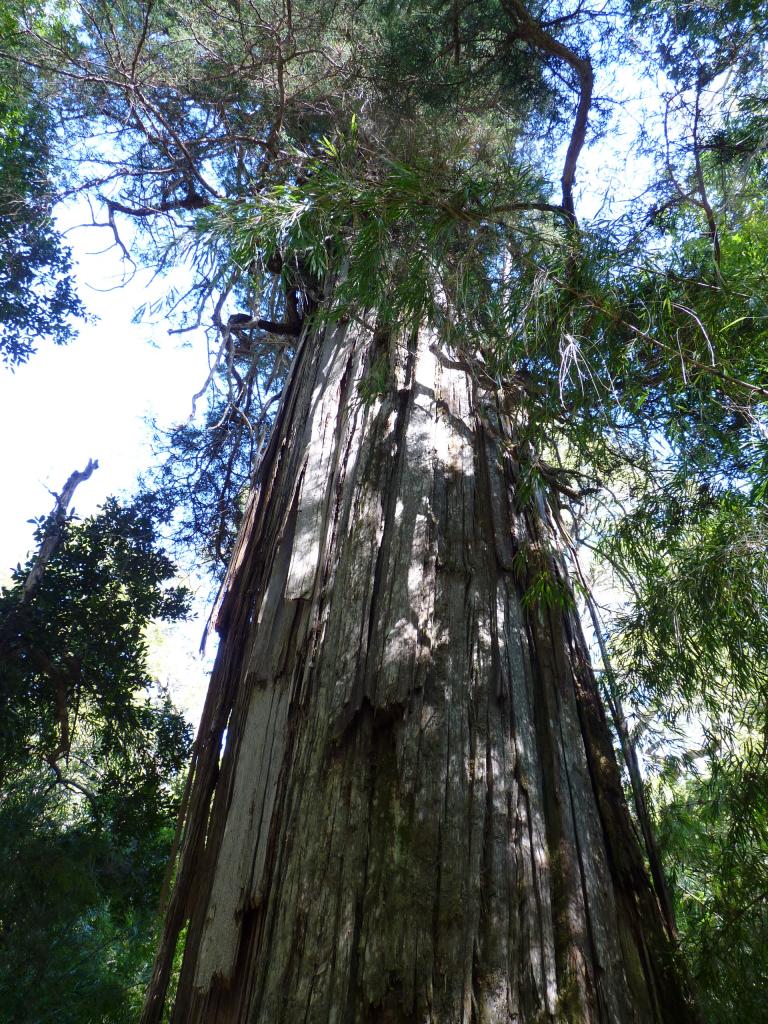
x,y
37,293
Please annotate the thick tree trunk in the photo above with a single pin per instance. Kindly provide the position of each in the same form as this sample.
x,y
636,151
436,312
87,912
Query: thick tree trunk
x,y
417,815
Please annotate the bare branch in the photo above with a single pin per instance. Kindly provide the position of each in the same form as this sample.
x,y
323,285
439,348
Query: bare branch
x,y
190,202
54,531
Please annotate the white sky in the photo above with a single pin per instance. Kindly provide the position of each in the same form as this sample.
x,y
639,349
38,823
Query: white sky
x,y
91,399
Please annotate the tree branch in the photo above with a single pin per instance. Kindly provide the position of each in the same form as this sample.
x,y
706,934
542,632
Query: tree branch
x,y
191,202
54,531
536,35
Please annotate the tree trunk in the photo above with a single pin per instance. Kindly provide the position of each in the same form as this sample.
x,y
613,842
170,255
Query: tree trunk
x,y
417,815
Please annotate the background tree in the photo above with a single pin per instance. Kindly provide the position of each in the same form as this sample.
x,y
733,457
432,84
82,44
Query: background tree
x,y
37,294
689,648
91,755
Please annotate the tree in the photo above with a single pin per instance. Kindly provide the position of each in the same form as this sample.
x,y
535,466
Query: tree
x,y
421,759
690,645
37,294
91,757
404,802
439,822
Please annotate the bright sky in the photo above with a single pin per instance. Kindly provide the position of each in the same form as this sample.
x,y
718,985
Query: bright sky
x,y
91,399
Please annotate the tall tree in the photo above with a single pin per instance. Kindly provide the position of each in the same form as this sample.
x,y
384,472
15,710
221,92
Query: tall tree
x,y
404,804
437,828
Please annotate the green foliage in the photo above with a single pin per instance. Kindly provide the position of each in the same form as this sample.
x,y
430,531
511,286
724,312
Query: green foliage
x,y
692,654
347,218
544,591
37,294
698,631
79,903
607,344
690,537
79,645
91,759
716,858
375,383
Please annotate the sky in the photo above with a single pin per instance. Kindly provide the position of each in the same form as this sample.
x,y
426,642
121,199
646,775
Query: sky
x,y
92,399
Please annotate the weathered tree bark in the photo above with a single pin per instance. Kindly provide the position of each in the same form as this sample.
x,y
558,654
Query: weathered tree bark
x,y
417,815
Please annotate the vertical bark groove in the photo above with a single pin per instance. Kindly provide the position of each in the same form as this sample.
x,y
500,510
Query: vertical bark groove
x,y
417,816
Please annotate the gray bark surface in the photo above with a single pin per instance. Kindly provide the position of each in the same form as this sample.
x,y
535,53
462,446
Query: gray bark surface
x,y
416,815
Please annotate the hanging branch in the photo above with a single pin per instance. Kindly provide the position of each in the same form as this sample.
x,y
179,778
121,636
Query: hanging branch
x,y
635,776
192,201
704,202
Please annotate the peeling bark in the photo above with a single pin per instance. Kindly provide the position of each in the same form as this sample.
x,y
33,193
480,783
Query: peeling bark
x,y
405,806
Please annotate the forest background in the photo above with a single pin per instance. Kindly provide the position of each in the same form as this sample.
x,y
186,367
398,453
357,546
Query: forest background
x,y
668,492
